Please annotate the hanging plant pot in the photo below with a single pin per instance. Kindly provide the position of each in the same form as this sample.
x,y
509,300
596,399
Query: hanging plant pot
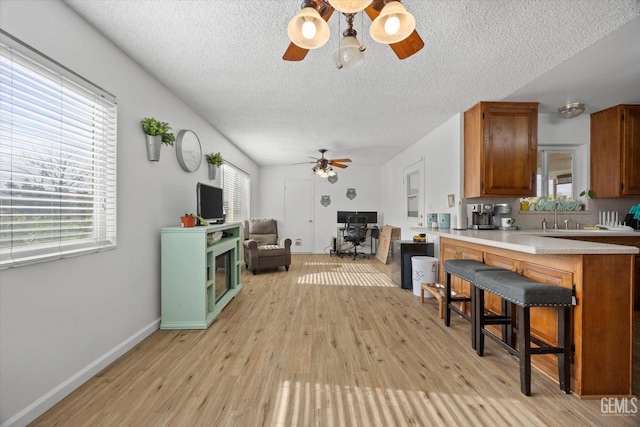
x,y
212,171
154,142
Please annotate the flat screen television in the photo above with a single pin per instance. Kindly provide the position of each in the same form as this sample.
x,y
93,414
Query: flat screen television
x,y
372,216
210,205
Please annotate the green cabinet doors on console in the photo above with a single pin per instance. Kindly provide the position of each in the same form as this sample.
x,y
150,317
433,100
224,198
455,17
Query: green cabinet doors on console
x,y
200,274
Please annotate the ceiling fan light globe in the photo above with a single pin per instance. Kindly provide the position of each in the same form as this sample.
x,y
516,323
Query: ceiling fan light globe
x,y
308,30
299,27
405,21
349,6
349,54
391,25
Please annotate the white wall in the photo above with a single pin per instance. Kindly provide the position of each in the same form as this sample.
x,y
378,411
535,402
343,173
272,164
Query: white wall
x,y
441,151
365,179
63,321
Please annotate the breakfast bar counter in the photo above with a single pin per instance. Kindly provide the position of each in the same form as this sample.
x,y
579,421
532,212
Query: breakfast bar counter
x,y
601,278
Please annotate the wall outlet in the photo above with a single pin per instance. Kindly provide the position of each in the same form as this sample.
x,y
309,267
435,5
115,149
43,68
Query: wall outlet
x,y
298,242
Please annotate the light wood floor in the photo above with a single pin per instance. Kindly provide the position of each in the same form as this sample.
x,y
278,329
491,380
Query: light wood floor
x,y
332,342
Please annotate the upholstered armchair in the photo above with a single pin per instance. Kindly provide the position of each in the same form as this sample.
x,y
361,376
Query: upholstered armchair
x,y
262,248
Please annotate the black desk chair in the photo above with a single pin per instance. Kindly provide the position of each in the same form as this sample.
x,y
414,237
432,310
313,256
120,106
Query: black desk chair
x,y
356,232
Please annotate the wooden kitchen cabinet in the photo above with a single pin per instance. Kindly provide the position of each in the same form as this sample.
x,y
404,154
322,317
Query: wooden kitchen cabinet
x,y
615,151
459,286
500,149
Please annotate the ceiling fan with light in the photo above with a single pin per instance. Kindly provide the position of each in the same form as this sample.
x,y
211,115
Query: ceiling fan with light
x,y
324,167
391,24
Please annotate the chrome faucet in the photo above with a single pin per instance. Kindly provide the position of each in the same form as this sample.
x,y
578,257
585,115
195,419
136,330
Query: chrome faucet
x,y
555,214
566,223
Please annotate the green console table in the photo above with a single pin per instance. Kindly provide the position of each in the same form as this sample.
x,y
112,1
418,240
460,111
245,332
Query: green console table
x,y
200,274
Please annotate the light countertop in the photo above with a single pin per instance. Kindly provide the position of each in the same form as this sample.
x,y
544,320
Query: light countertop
x,y
548,242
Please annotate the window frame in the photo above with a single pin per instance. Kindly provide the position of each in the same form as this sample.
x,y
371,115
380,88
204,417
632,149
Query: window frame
x,y
58,140
543,178
231,176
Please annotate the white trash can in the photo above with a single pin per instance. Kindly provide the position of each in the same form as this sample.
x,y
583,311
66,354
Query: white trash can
x,y
424,269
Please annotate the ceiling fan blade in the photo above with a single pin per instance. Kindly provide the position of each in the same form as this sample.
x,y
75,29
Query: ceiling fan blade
x,y
338,165
339,160
407,47
404,48
294,53
373,10
297,53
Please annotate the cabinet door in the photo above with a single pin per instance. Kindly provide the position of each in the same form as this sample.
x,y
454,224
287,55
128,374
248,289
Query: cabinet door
x,y
493,302
510,149
631,151
544,320
449,251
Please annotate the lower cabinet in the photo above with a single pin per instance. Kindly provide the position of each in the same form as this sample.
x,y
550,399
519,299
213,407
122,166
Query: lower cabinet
x,y
459,286
200,274
602,318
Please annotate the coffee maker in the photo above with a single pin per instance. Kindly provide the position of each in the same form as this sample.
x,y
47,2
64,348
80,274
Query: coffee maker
x,y
500,211
481,216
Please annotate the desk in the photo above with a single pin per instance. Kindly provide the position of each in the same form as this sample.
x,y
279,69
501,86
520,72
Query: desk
x,y
372,238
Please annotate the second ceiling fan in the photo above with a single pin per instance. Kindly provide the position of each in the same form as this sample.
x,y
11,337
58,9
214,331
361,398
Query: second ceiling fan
x,y
308,31
324,167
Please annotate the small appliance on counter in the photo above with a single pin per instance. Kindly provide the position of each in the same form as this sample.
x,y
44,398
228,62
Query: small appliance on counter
x,y
502,211
481,216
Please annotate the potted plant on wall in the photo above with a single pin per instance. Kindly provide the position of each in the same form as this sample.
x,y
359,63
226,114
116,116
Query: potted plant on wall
x,y
215,161
156,133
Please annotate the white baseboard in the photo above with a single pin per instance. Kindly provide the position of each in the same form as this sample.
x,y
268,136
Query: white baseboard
x,y
54,396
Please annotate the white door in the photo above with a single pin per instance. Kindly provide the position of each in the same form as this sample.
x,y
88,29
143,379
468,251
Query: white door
x,y
298,214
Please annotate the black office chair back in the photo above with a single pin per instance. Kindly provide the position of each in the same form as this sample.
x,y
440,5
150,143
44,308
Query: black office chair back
x,y
356,230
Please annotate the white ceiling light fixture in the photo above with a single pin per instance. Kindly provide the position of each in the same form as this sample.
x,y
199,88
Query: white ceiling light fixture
x,y
394,24
308,29
350,6
571,110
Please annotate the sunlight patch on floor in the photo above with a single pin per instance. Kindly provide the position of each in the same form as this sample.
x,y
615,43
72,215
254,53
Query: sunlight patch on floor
x,y
345,279
345,274
306,404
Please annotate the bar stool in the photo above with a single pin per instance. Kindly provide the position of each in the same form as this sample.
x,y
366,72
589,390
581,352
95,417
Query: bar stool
x,y
466,269
525,293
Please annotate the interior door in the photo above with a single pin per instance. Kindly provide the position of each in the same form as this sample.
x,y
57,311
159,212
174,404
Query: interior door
x,y
298,214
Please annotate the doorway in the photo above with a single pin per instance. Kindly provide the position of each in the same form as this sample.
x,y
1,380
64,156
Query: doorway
x,y
298,214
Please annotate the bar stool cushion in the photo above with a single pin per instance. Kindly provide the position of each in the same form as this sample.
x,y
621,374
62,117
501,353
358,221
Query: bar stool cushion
x,y
467,268
522,291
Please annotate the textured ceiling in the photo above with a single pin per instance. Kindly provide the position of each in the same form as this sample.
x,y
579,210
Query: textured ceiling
x,y
224,59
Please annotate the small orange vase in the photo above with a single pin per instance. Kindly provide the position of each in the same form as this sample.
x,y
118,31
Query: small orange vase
x,y
188,221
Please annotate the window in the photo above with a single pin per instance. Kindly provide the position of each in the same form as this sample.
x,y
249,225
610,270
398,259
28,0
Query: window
x,y
413,192
556,172
57,160
235,186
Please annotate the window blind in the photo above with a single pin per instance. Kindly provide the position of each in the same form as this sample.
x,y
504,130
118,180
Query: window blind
x,y
57,160
235,189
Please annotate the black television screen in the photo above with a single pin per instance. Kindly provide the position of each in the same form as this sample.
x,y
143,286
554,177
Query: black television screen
x,y
343,215
210,203
372,216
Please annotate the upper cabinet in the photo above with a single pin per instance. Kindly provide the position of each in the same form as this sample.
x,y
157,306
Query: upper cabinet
x,y
500,149
615,151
